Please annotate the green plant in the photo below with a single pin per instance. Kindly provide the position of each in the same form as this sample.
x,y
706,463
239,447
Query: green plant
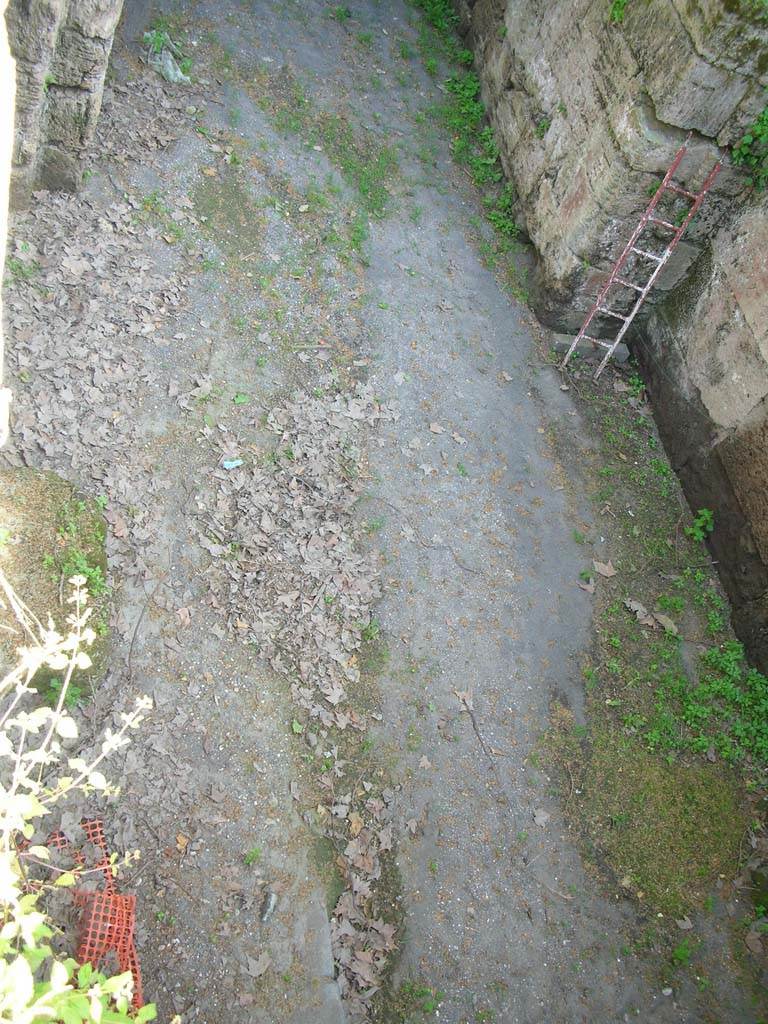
x,y
374,524
371,631
751,151
156,40
682,953
542,127
21,270
727,711
72,697
500,212
473,142
341,13
440,14
253,856
616,13
37,984
76,563
703,524
365,39
418,998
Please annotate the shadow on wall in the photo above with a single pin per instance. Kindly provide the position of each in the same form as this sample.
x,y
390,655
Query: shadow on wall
x,y
588,111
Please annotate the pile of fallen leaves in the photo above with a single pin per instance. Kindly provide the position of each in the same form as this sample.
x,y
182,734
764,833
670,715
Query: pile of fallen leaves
x,y
83,303
289,576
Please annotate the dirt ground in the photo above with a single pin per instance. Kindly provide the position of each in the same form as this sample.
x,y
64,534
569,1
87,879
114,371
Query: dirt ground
x,y
341,544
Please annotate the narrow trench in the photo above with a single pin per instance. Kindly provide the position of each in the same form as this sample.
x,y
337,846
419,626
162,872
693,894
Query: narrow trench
x,y
401,594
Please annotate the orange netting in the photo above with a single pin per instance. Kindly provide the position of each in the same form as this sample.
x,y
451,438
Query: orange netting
x,y
108,917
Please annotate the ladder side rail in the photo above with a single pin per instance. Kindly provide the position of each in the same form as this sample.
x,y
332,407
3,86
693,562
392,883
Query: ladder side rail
x,y
665,257
635,309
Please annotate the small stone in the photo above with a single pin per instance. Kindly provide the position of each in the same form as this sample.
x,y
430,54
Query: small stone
x,y
666,991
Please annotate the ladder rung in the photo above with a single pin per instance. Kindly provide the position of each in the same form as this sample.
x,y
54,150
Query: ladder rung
x,y
649,255
627,284
663,223
597,341
682,191
610,312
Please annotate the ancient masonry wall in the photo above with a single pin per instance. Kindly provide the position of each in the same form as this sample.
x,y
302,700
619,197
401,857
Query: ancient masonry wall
x,y
61,49
588,113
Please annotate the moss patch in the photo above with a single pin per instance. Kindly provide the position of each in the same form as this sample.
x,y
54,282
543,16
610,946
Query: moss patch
x,y
324,858
232,216
666,830
657,791
50,533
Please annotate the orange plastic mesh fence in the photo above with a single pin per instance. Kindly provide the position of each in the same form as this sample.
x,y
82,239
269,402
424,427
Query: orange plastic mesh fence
x,y
108,917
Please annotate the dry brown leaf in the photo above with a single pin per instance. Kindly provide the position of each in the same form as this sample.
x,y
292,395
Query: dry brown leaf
x,y
666,623
604,568
258,967
644,617
184,615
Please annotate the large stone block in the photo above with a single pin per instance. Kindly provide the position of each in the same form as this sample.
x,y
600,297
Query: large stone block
x,y
61,48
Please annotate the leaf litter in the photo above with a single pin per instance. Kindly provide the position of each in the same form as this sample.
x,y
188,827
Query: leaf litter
x,y
300,593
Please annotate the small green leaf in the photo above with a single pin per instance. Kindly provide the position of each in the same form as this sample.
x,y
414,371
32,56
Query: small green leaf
x,y
84,975
240,398
297,727
66,878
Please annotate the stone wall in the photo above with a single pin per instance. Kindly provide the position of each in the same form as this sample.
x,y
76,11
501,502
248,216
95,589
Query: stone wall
x,y
588,115
61,48
705,355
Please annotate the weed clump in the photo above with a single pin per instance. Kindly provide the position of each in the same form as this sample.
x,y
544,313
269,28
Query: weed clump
x,y
725,712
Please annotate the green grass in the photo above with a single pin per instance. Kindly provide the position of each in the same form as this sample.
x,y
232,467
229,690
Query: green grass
x,y
413,1001
674,733
253,856
21,270
367,165
80,548
666,830
472,141
52,692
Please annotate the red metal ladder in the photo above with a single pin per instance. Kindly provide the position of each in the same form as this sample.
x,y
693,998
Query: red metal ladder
x,y
600,308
